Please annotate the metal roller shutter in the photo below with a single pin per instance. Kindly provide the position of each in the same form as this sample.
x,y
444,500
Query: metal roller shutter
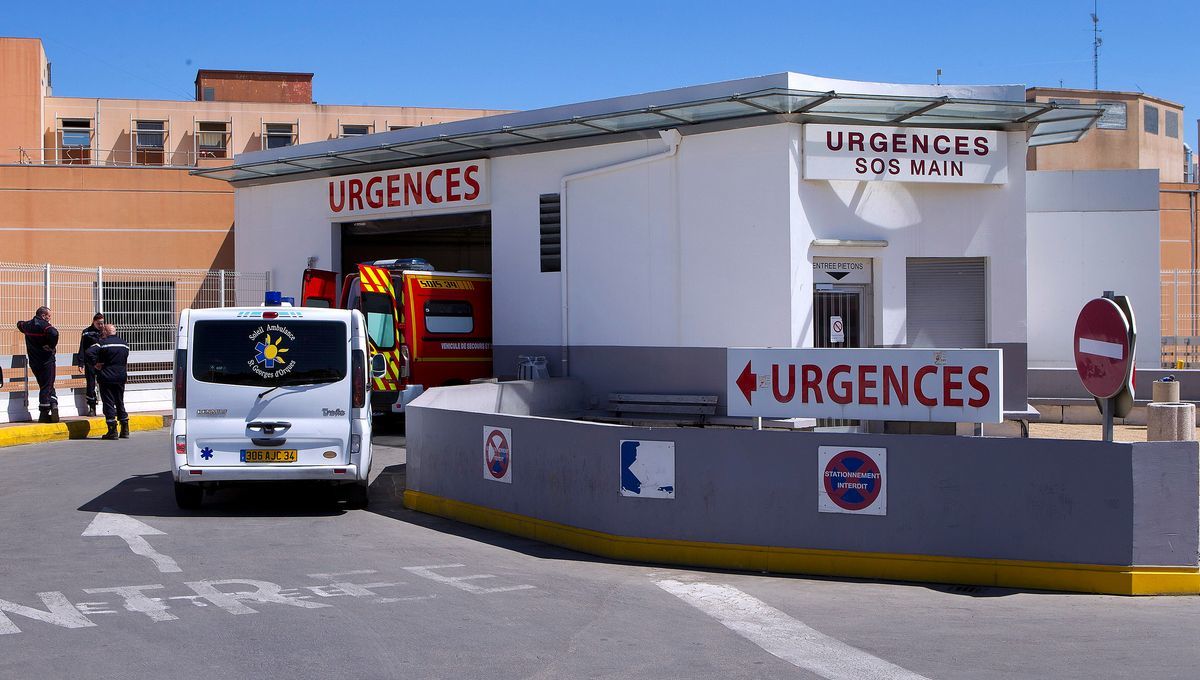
x,y
946,302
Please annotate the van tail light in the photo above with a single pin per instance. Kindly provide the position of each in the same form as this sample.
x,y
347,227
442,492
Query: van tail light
x,y
356,443
181,445
181,378
358,384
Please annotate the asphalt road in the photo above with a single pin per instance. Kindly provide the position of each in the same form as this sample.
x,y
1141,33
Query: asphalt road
x,y
284,582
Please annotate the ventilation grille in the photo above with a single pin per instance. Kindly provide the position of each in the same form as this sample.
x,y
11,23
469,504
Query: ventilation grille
x,y
551,232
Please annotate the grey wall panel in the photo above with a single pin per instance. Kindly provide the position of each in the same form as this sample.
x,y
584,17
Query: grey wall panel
x,y
1039,500
1091,190
1165,479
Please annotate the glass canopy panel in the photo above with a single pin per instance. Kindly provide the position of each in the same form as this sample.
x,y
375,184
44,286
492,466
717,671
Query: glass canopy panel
x,y
1058,138
322,162
863,117
1056,126
432,148
632,121
375,155
888,108
274,169
1059,114
559,131
961,121
494,139
229,174
783,103
713,111
985,110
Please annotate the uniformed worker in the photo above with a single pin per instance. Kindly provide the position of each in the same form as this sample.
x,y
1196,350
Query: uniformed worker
x,y
89,337
109,357
41,344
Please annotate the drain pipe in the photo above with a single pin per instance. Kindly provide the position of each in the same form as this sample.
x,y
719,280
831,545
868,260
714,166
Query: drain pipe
x,y
671,138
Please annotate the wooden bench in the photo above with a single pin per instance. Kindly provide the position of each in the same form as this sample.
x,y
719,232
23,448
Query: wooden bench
x,y
697,406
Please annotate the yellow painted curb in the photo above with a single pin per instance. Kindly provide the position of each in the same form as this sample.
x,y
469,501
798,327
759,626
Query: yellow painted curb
x,y
1083,578
33,433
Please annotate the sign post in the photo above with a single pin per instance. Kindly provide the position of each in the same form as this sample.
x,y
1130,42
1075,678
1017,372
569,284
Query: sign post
x,y
1105,339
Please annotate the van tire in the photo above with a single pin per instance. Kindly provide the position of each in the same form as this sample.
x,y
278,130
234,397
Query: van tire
x,y
357,497
188,496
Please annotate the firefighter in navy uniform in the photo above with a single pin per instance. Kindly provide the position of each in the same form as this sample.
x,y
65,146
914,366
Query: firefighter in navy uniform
x,y
41,343
89,337
108,357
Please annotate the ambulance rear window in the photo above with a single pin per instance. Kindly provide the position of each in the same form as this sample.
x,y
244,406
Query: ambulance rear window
x,y
381,326
269,353
449,316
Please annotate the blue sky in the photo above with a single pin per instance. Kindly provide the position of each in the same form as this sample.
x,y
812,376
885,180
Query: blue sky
x,y
522,55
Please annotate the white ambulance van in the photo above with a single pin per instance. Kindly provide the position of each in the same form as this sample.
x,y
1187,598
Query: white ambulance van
x,y
271,393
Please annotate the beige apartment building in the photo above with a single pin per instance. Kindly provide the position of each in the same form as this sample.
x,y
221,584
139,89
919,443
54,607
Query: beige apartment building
x,y
1137,131
95,181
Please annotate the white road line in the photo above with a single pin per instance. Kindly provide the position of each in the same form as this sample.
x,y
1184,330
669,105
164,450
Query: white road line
x,y
1112,350
784,636
107,523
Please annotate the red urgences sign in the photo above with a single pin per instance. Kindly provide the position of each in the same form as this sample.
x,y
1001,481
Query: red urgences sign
x,y
429,187
937,385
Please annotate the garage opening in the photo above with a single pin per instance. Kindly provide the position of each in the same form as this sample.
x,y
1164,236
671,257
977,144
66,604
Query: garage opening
x,y
457,242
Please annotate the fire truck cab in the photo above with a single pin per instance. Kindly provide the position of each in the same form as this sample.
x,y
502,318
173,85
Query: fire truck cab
x,y
425,328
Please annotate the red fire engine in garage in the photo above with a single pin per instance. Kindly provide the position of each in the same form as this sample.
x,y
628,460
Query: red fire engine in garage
x,y
425,328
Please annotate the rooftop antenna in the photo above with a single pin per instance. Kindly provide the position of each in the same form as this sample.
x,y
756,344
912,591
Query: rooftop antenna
x,y
1096,42
939,77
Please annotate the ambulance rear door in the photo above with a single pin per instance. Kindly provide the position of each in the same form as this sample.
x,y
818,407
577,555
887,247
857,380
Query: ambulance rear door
x,y
377,300
319,288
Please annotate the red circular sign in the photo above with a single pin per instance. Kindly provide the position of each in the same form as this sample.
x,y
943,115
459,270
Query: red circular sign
x,y
852,480
496,452
1102,352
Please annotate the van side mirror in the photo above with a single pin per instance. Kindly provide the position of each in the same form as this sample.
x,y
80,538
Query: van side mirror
x,y
378,366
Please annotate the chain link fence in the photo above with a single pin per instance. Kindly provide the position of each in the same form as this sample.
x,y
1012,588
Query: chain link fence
x,y
1180,291
144,304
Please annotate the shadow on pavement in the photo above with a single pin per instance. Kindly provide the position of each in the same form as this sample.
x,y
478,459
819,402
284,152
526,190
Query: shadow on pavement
x,y
154,496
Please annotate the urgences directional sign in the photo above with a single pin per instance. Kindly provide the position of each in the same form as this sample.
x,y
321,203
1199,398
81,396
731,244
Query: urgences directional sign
x,y
932,385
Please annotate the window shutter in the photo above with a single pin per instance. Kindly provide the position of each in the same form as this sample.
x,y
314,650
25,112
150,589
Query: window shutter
x,y
550,206
946,302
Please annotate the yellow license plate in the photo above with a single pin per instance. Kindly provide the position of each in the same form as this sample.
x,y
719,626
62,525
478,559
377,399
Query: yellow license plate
x,y
269,455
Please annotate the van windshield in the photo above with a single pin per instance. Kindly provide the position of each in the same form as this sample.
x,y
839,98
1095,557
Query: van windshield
x,y
265,353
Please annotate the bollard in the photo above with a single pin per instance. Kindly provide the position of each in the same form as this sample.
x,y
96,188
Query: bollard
x,y
1165,391
1168,419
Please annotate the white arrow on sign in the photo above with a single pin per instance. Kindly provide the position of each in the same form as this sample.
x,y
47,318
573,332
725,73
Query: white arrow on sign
x,y
131,531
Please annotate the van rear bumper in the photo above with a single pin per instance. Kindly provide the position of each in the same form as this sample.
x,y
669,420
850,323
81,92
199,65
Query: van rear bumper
x,y
262,473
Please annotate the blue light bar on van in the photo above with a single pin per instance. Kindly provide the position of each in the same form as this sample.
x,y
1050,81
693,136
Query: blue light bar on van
x,y
273,298
410,263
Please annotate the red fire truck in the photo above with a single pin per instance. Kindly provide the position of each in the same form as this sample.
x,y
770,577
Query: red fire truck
x,y
426,328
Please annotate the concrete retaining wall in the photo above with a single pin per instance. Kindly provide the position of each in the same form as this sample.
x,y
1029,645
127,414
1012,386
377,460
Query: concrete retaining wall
x,y
1002,499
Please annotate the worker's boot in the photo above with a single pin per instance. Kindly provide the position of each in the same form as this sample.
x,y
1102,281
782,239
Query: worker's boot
x,y
125,429
112,430
44,416
54,414
91,410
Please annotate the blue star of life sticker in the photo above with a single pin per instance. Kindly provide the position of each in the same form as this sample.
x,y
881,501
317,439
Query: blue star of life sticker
x,y
206,453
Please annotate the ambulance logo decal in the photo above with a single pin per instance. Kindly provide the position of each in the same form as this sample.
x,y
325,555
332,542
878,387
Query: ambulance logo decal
x,y
269,350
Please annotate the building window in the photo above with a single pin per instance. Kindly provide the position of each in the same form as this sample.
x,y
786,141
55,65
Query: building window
x,y
1056,100
550,217
393,128
355,130
278,135
212,140
143,312
1114,116
1172,123
209,94
150,140
1150,119
75,141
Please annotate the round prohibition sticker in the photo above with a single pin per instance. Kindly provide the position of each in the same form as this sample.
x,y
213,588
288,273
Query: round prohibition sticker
x,y
852,480
497,454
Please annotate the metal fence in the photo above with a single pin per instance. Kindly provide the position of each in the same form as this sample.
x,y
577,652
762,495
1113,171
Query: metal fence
x,y
1180,294
144,304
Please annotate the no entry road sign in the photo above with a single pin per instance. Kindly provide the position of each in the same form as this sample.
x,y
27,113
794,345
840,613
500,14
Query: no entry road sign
x,y
1103,353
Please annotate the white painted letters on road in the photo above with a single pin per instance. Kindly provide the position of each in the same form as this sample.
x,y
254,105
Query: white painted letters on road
x,y
264,591
59,612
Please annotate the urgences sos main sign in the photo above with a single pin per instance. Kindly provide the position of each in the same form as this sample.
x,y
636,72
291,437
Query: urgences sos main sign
x,y
932,385
425,188
861,152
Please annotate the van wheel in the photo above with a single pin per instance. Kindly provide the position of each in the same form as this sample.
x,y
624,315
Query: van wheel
x,y
356,496
188,496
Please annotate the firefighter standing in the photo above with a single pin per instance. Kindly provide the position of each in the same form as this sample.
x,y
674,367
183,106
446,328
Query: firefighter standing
x,y
108,357
89,337
41,343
